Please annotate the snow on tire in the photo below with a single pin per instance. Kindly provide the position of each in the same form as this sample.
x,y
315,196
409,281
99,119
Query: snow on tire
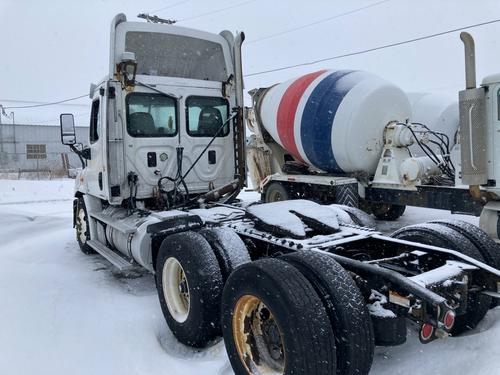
x,y
274,322
189,284
442,236
228,247
346,308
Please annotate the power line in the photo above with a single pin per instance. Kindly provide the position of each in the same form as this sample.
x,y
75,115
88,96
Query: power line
x,y
316,22
170,6
218,10
46,104
57,120
373,49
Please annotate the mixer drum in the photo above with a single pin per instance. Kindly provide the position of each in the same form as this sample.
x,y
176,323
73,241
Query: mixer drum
x,y
439,112
333,120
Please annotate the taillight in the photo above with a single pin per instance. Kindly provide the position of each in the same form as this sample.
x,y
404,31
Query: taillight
x,y
426,332
449,319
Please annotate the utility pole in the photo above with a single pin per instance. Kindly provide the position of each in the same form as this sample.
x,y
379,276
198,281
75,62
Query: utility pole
x,y
14,131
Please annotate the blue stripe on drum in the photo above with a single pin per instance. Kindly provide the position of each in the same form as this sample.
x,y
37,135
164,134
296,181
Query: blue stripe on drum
x,y
317,120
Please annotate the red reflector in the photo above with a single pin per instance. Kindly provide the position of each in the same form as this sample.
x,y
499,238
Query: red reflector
x,y
426,331
449,319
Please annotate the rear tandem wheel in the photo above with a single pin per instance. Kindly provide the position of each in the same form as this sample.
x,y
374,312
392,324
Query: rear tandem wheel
x,y
488,248
346,308
191,269
446,237
274,322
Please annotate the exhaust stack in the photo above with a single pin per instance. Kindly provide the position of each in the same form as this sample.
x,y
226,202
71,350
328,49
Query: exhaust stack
x,y
470,60
472,105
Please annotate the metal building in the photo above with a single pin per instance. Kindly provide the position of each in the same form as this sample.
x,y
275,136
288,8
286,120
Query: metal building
x,y
37,148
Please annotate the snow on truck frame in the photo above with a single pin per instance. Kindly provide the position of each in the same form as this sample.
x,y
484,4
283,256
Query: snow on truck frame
x,y
294,287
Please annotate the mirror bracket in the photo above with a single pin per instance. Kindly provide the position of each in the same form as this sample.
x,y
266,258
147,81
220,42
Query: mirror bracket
x,y
86,153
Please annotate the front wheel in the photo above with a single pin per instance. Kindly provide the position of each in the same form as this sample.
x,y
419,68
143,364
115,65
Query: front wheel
x,y
82,226
274,322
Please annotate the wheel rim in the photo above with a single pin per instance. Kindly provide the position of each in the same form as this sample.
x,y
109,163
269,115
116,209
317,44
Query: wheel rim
x,y
258,338
176,290
81,226
275,196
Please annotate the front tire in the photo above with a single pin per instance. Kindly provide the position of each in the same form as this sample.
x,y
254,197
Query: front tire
x,y
82,227
189,284
274,322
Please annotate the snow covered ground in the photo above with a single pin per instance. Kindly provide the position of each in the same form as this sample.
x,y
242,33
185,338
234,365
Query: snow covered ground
x,y
62,312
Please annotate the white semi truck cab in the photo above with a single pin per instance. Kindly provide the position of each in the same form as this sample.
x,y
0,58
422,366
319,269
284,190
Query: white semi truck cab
x,y
166,128
280,281
169,94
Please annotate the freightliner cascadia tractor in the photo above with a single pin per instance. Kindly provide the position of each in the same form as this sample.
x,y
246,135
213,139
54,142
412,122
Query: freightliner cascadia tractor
x,y
351,136
294,287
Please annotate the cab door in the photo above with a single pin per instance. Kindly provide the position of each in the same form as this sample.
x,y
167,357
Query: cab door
x,y
94,172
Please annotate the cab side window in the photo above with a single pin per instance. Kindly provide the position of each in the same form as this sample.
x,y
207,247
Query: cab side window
x,y
95,124
207,116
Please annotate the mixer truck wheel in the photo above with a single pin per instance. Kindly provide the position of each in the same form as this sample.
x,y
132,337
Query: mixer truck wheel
x,y
228,247
387,211
276,192
442,236
346,308
189,284
484,243
82,227
274,322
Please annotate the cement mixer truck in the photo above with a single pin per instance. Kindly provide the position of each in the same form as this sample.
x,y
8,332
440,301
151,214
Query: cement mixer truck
x,y
294,287
351,137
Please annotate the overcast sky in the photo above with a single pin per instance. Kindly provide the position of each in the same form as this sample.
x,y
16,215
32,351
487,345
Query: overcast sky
x,y
52,50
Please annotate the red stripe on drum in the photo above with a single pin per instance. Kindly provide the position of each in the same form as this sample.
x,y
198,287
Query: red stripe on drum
x,y
287,110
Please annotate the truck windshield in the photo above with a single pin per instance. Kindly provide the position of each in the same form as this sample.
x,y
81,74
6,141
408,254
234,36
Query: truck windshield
x,y
151,115
180,56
